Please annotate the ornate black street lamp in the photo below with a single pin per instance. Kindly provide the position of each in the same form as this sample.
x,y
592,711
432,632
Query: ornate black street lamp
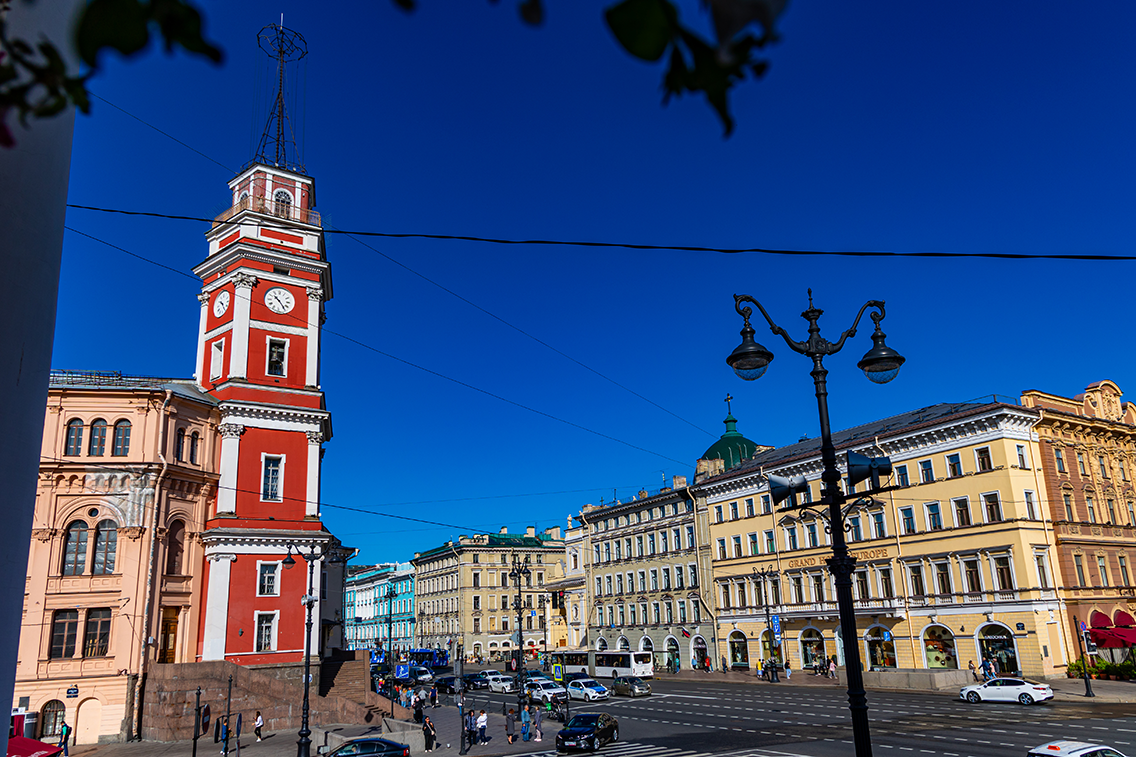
x,y
880,364
520,569
390,595
763,577
304,744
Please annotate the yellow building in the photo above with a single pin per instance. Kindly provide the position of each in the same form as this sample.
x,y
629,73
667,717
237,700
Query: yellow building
x,y
954,566
465,598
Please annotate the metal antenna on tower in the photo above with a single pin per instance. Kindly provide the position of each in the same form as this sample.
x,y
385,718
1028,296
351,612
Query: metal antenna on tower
x,y
278,142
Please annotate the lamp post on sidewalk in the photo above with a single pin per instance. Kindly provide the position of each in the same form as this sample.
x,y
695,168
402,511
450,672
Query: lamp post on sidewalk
x,y
519,570
880,364
304,743
763,576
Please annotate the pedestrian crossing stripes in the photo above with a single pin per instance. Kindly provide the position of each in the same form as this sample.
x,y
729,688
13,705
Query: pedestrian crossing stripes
x,y
633,749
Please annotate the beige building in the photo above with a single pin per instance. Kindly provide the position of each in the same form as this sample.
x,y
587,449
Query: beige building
x,y
128,466
465,597
955,565
569,620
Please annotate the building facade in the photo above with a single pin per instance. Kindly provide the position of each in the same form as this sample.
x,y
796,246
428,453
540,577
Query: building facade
x,y
129,466
569,615
955,565
644,579
1088,461
466,600
374,616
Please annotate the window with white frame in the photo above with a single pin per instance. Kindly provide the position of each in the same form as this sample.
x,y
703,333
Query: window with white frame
x,y
267,580
879,525
1042,570
954,465
693,576
926,471
901,476
982,459
678,577
217,359
1031,506
276,363
791,537
1022,461
934,516
992,507
907,516
272,478
266,631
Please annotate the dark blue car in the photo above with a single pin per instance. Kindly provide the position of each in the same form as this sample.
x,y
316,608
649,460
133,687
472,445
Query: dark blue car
x,y
588,731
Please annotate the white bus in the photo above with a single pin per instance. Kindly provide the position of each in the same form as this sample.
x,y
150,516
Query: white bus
x,y
605,664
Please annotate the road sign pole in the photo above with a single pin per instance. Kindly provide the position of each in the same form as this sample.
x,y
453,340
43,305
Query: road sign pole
x,y
1080,650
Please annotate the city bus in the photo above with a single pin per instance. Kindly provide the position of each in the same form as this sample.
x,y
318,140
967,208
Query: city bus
x,y
606,664
429,658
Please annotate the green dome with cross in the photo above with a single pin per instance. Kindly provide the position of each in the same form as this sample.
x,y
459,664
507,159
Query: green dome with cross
x,y
731,448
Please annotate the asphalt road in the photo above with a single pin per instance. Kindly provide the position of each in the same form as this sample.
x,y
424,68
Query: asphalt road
x,y
683,719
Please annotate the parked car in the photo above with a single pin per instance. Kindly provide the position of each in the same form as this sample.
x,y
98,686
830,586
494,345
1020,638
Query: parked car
x,y
501,684
1073,749
543,690
632,686
587,689
588,731
421,674
1007,690
446,685
474,681
368,745
575,677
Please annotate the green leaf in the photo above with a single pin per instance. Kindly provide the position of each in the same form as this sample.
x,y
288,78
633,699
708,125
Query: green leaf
x,y
118,24
644,27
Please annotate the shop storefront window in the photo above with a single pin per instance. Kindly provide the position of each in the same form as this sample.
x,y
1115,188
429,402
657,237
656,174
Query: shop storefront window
x,y
996,643
739,650
939,648
812,647
881,648
768,649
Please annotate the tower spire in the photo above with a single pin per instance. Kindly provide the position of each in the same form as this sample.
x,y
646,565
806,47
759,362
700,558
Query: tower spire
x,y
278,142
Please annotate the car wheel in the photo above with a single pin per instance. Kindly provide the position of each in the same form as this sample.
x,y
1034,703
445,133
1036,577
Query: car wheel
x,y
1025,698
972,697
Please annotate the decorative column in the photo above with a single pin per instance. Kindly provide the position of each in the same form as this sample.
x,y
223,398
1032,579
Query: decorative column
x,y
217,606
230,449
315,300
311,496
242,302
203,321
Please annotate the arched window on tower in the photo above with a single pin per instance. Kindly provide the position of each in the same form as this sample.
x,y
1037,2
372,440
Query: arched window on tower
x,y
175,548
97,445
75,549
106,545
282,203
74,445
121,446
194,438
179,445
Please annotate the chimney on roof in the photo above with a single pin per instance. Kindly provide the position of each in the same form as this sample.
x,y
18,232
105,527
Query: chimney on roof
x,y
679,482
530,531
553,532
504,530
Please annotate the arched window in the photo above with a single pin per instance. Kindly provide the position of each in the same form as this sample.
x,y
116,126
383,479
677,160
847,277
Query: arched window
x,y
106,544
179,445
996,643
175,548
194,438
812,647
64,627
739,650
51,718
601,644
97,446
74,445
121,446
282,202
623,643
939,647
75,549
96,637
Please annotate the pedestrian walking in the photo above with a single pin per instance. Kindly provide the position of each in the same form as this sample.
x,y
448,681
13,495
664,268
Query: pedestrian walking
x,y
429,733
224,735
974,672
482,722
419,704
526,721
788,670
434,697
765,670
510,725
470,726
64,736
257,725
832,668
537,720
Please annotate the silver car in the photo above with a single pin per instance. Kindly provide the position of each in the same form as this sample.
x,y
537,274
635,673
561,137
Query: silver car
x,y
632,686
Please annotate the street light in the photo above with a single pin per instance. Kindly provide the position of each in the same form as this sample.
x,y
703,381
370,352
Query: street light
x,y
763,576
304,744
520,569
389,595
880,364
542,602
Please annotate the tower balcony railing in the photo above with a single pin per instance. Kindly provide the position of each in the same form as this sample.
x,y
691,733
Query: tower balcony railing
x,y
261,204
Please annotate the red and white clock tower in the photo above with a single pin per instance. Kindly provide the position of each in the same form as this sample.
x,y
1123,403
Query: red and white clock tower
x,y
265,283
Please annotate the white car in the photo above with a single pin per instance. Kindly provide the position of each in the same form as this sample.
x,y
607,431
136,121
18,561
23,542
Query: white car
x,y
421,674
587,689
544,690
500,684
1007,690
1073,749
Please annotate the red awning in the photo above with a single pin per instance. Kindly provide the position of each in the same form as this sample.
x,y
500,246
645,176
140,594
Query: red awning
x,y
1127,635
18,746
1121,618
1107,637
1099,620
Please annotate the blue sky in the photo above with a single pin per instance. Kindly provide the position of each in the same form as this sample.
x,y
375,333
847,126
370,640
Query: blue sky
x,y
932,126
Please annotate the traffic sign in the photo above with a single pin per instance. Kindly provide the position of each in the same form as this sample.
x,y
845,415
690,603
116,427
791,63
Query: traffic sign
x,y
557,672
532,613
204,718
887,635
1083,627
777,625
402,671
240,722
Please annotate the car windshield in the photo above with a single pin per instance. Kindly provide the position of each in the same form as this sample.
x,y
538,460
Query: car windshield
x,y
593,684
634,679
546,684
582,721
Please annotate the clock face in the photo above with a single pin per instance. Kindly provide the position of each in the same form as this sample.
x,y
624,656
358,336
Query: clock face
x,y
221,304
279,300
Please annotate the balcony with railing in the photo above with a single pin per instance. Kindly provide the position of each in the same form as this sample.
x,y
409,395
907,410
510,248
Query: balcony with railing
x,y
258,204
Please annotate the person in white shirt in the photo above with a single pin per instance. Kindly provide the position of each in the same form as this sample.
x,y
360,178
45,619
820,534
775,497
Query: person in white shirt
x,y
482,723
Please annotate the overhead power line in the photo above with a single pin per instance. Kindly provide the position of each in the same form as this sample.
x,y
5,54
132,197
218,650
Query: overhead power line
x,y
656,247
406,362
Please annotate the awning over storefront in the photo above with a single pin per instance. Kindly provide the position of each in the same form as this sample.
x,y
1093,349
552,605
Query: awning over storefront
x,y
1113,637
18,746
1099,620
1121,618
1128,635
